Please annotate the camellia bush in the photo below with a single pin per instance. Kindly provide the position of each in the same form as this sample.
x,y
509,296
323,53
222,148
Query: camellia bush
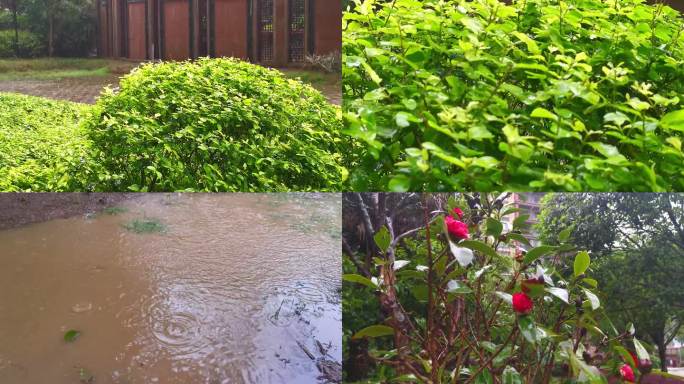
x,y
215,125
42,146
537,95
461,301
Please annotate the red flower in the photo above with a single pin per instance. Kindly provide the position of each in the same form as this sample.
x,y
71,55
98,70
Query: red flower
x,y
459,213
457,228
522,303
627,373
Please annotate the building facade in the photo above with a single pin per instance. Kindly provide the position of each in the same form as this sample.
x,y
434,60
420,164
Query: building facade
x,y
270,32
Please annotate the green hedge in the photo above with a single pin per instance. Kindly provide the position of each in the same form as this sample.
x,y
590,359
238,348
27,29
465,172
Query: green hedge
x,y
215,125
537,95
30,44
42,147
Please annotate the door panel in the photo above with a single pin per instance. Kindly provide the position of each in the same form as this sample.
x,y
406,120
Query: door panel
x,y
176,29
230,28
136,31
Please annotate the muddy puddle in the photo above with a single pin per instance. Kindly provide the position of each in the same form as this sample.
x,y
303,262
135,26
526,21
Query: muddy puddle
x,y
235,288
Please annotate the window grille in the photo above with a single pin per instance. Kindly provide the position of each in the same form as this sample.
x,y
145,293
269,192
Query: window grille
x,y
265,15
296,30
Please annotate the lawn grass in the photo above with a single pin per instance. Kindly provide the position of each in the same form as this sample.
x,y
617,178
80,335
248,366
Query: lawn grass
x,y
315,78
60,68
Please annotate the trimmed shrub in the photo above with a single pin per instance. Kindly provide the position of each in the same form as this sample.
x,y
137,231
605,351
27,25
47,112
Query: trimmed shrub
x,y
42,147
215,125
30,44
537,95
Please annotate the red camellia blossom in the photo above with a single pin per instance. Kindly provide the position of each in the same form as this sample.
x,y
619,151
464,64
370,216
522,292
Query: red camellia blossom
x,y
627,373
459,213
522,303
457,228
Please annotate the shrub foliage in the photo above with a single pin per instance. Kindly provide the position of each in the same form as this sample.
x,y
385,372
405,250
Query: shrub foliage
x,y
537,95
42,147
215,125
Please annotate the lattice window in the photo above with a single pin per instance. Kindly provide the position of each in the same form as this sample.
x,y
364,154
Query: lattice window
x,y
296,30
265,14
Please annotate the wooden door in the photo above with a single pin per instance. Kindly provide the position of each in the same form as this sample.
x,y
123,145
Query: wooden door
x,y
230,26
136,30
176,24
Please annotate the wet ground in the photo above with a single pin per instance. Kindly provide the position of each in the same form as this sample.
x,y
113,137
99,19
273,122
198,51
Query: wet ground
x,y
235,288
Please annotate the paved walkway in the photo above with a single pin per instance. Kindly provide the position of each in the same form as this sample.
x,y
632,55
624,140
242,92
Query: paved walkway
x,y
87,89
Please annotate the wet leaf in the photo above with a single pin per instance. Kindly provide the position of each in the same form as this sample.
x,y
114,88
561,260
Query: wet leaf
x,y
374,331
581,263
71,335
354,278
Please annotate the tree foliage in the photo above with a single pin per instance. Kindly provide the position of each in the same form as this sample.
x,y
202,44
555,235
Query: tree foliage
x,y
638,240
538,95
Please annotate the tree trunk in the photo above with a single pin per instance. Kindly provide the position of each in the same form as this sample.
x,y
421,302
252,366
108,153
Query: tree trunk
x,y
51,30
15,24
662,354
358,365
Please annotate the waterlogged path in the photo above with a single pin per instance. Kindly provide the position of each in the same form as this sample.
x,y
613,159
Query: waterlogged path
x,y
175,288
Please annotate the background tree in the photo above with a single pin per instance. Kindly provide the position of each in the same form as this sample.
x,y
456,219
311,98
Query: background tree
x,y
637,241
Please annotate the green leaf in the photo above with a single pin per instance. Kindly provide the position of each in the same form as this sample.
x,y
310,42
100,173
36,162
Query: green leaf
x,y
543,113
673,120
399,183
354,278
71,335
519,238
537,252
382,238
641,352
560,293
528,329
494,227
398,264
455,287
479,246
593,299
374,331
531,44
507,297
520,221
463,256
581,263
511,376
564,235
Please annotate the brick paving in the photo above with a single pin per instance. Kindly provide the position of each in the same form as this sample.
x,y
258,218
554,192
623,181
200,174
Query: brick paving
x,y
87,89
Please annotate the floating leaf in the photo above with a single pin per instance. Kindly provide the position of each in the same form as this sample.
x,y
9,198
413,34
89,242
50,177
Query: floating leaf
x,y
71,335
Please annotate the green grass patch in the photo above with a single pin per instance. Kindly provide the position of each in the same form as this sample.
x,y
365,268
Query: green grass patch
x,y
312,77
114,210
61,68
42,147
146,226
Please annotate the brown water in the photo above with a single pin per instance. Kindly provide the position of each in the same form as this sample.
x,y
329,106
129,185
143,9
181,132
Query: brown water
x,y
233,290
